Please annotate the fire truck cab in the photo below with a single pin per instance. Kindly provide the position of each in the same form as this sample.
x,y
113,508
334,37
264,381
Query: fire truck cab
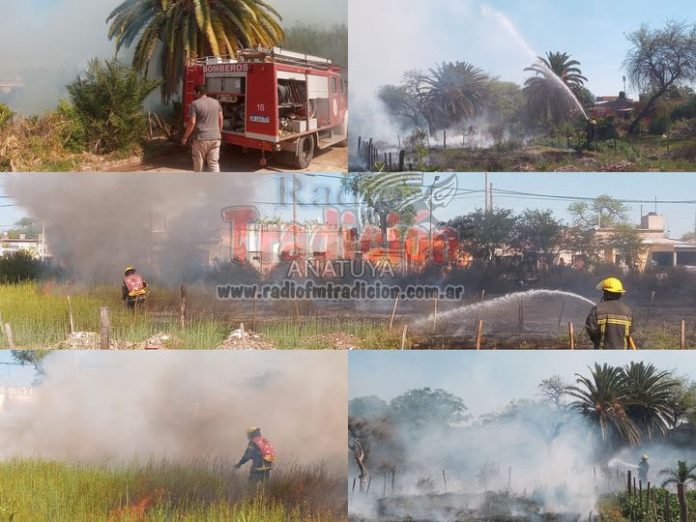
x,y
275,100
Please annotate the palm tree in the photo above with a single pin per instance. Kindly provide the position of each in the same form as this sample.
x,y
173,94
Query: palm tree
x,y
183,30
451,93
681,477
556,88
602,398
650,397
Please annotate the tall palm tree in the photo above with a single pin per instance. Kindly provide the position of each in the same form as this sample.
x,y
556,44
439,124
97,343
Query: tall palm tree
x,y
681,477
183,30
556,88
602,399
650,397
451,93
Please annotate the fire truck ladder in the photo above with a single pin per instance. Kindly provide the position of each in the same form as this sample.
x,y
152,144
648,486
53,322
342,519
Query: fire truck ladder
x,y
278,55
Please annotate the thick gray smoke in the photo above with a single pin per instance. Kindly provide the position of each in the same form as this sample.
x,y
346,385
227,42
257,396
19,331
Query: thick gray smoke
x,y
182,406
169,227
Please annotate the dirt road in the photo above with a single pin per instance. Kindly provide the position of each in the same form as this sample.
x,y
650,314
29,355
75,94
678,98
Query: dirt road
x,y
232,159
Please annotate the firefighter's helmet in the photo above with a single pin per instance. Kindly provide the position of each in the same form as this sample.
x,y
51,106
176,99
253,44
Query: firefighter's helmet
x,y
644,458
611,284
253,430
128,269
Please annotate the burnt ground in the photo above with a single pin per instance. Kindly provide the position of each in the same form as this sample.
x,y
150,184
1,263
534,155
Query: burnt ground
x,y
177,158
461,507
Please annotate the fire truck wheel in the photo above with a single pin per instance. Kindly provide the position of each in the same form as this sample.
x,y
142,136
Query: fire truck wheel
x,y
305,152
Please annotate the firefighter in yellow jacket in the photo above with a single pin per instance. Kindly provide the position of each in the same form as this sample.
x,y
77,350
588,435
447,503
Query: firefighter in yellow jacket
x,y
609,324
134,289
261,454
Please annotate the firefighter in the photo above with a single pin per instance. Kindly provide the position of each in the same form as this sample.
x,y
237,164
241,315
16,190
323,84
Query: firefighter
x,y
134,289
260,453
609,323
206,119
643,468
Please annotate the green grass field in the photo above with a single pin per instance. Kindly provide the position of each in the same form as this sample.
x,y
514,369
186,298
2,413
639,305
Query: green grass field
x,y
39,318
36,490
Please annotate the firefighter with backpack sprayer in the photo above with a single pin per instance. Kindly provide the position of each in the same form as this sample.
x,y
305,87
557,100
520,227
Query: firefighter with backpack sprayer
x,y
610,323
260,453
134,289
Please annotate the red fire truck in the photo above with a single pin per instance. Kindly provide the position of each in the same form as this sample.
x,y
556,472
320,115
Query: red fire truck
x,y
275,101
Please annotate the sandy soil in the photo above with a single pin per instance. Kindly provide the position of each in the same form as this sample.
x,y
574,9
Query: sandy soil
x,y
232,159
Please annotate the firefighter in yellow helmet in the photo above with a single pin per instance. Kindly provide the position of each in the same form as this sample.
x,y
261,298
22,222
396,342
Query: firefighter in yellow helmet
x,y
261,454
609,323
134,289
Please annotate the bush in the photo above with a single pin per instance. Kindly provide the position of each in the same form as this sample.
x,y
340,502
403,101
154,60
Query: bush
x,y
659,124
19,266
606,129
6,115
108,100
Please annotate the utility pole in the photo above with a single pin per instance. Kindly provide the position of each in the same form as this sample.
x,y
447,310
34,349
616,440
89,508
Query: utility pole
x,y
42,243
294,217
485,192
490,197
430,218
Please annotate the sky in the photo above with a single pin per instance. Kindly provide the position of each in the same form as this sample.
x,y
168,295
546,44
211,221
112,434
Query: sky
x,y
488,380
680,218
502,37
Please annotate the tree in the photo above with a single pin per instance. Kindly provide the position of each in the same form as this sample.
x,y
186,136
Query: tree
x,y
649,397
658,60
451,93
553,390
547,92
680,476
402,104
603,212
504,104
602,398
25,226
368,407
627,240
427,408
538,232
328,42
683,402
482,233
183,30
383,199
108,99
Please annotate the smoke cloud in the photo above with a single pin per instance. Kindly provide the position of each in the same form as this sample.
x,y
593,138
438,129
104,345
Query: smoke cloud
x,y
97,225
182,406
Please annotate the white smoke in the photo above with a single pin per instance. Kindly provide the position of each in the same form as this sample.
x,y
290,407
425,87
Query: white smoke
x,y
117,407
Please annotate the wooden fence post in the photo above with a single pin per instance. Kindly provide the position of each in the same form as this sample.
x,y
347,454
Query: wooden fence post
x,y
10,338
479,334
571,335
682,338
391,319
105,341
629,481
403,337
435,316
182,307
70,316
